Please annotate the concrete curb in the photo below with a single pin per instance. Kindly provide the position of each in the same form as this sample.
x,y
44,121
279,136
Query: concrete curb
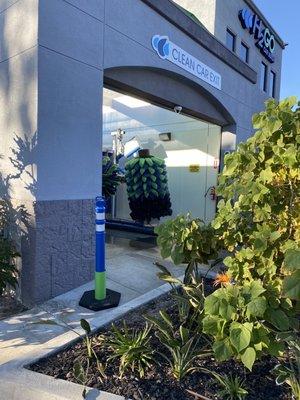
x,y
18,383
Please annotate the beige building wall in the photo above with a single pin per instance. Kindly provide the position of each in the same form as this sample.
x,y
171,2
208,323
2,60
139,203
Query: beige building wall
x,y
204,10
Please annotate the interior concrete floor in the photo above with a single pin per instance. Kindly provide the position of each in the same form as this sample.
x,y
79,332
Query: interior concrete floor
x,y
130,259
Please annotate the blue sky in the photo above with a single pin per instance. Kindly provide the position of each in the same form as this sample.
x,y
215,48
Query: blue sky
x,y
284,17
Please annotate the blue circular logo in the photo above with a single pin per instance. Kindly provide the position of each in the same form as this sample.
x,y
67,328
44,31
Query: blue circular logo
x,y
161,45
246,17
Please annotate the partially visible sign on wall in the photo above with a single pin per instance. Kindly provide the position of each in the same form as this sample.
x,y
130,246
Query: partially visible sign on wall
x,y
194,168
265,39
168,50
216,163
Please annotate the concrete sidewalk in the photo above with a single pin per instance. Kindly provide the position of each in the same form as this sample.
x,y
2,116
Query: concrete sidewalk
x,y
130,272
18,383
26,337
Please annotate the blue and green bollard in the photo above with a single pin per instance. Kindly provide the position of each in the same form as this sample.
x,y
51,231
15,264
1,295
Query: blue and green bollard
x,y
100,298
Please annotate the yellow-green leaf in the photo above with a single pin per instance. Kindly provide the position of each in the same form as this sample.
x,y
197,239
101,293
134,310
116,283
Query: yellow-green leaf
x,y
248,358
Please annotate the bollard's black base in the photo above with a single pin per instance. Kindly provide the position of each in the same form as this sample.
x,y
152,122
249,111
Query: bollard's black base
x,y
88,300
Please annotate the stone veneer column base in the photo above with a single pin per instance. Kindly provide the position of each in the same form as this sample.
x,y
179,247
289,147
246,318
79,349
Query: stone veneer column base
x,y
58,248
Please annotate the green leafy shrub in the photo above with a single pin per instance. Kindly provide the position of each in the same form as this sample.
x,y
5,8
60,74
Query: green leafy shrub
x,y
8,269
289,373
189,299
133,349
235,319
259,216
187,241
8,253
258,222
182,345
111,177
232,387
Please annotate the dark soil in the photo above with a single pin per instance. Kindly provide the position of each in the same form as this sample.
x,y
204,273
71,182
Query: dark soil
x,y
158,384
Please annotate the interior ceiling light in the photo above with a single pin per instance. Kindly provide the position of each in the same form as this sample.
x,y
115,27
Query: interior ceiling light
x,y
131,102
107,109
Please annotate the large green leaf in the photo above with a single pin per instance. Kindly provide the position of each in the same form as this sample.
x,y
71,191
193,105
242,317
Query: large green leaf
x,y
211,325
177,255
256,289
79,372
257,307
222,349
248,357
257,121
275,125
292,260
291,286
278,318
226,310
230,167
260,245
166,251
266,175
212,305
275,348
240,336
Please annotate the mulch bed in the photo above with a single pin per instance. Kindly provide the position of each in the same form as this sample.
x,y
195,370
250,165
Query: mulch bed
x,y
158,384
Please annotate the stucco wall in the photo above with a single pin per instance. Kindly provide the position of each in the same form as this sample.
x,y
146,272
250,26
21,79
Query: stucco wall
x,y
227,16
217,16
18,96
70,99
53,58
50,136
128,43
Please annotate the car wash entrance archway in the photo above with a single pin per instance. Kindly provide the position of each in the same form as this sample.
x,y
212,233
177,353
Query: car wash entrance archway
x,y
189,147
141,103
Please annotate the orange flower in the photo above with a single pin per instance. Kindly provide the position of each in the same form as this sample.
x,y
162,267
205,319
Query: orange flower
x,y
222,279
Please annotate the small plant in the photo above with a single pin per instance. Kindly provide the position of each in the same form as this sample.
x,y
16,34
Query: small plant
x,y
232,387
8,254
188,241
189,299
81,375
133,349
82,365
111,177
290,373
8,269
182,346
183,356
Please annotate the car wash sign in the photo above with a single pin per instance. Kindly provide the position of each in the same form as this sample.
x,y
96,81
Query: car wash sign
x,y
265,39
168,50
